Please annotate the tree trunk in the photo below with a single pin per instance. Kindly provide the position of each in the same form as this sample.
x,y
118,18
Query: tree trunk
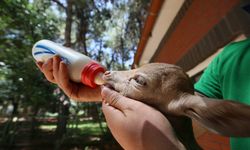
x,y
62,120
15,107
122,52
63,111
99,119
34,122
69,13
82,30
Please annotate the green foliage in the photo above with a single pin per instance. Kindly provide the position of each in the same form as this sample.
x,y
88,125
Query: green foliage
x,y
109,29
123,23
105,30
22,24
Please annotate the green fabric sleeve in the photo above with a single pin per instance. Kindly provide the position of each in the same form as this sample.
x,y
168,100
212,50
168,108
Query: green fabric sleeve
x,y
209,84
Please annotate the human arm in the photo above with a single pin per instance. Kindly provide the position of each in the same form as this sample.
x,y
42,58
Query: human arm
x,y
136,125
56,71
223,105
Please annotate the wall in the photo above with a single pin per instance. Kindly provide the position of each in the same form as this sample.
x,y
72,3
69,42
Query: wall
x,y
201,17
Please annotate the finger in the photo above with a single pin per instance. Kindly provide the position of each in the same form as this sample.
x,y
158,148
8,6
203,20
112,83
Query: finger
x,y
89,94
112,115
116,121
39,64
111,112
115,99
47,65
63,78
56,62
76,91
47,68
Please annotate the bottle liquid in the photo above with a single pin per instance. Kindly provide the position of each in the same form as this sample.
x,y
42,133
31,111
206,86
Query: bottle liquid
x,y
81,68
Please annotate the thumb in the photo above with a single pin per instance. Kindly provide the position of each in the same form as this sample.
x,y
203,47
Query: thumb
x,y
115,99
112,114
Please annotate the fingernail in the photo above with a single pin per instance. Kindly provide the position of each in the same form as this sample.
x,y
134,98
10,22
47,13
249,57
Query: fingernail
x,y
39,63
57,57
62,62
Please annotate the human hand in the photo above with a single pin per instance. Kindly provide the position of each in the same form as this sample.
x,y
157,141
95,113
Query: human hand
x,y
136,125
56,71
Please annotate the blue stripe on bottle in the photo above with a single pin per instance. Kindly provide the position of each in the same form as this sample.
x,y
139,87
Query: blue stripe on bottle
x,y
43,52
46,49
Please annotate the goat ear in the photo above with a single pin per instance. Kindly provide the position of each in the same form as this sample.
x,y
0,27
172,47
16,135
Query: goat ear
x,y
221,116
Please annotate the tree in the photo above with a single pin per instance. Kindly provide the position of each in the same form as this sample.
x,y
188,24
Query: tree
x,y
105,30
21,26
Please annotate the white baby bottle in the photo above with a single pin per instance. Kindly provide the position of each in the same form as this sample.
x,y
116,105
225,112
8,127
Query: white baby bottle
x,y
81,67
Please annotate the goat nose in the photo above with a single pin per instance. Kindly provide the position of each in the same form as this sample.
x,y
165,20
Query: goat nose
x,y
107,73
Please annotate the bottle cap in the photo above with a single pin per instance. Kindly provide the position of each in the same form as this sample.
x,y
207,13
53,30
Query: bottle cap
x,y
89,73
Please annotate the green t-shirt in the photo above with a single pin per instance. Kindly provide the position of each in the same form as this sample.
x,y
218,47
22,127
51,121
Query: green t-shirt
x,y
228,77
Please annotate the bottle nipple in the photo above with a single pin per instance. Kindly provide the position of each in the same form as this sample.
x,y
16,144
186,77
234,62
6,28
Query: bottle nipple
x,y
99,79
92,74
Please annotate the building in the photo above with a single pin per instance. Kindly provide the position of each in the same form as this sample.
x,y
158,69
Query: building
x,y
190,33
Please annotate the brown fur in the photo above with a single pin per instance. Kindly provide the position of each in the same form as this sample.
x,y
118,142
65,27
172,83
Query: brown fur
x,y
167,88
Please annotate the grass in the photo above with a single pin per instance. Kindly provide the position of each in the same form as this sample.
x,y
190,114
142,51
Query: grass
x,y
83,127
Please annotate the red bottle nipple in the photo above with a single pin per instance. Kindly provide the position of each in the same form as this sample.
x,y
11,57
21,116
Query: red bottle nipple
x,y
89,73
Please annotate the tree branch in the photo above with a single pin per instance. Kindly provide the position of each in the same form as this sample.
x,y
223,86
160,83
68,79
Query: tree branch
x,y
59,4
95,7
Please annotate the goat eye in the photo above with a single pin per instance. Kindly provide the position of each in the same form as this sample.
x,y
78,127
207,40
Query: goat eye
x,y
140,80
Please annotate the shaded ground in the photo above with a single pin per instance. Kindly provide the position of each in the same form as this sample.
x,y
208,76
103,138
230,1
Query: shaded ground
x,y
20,135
